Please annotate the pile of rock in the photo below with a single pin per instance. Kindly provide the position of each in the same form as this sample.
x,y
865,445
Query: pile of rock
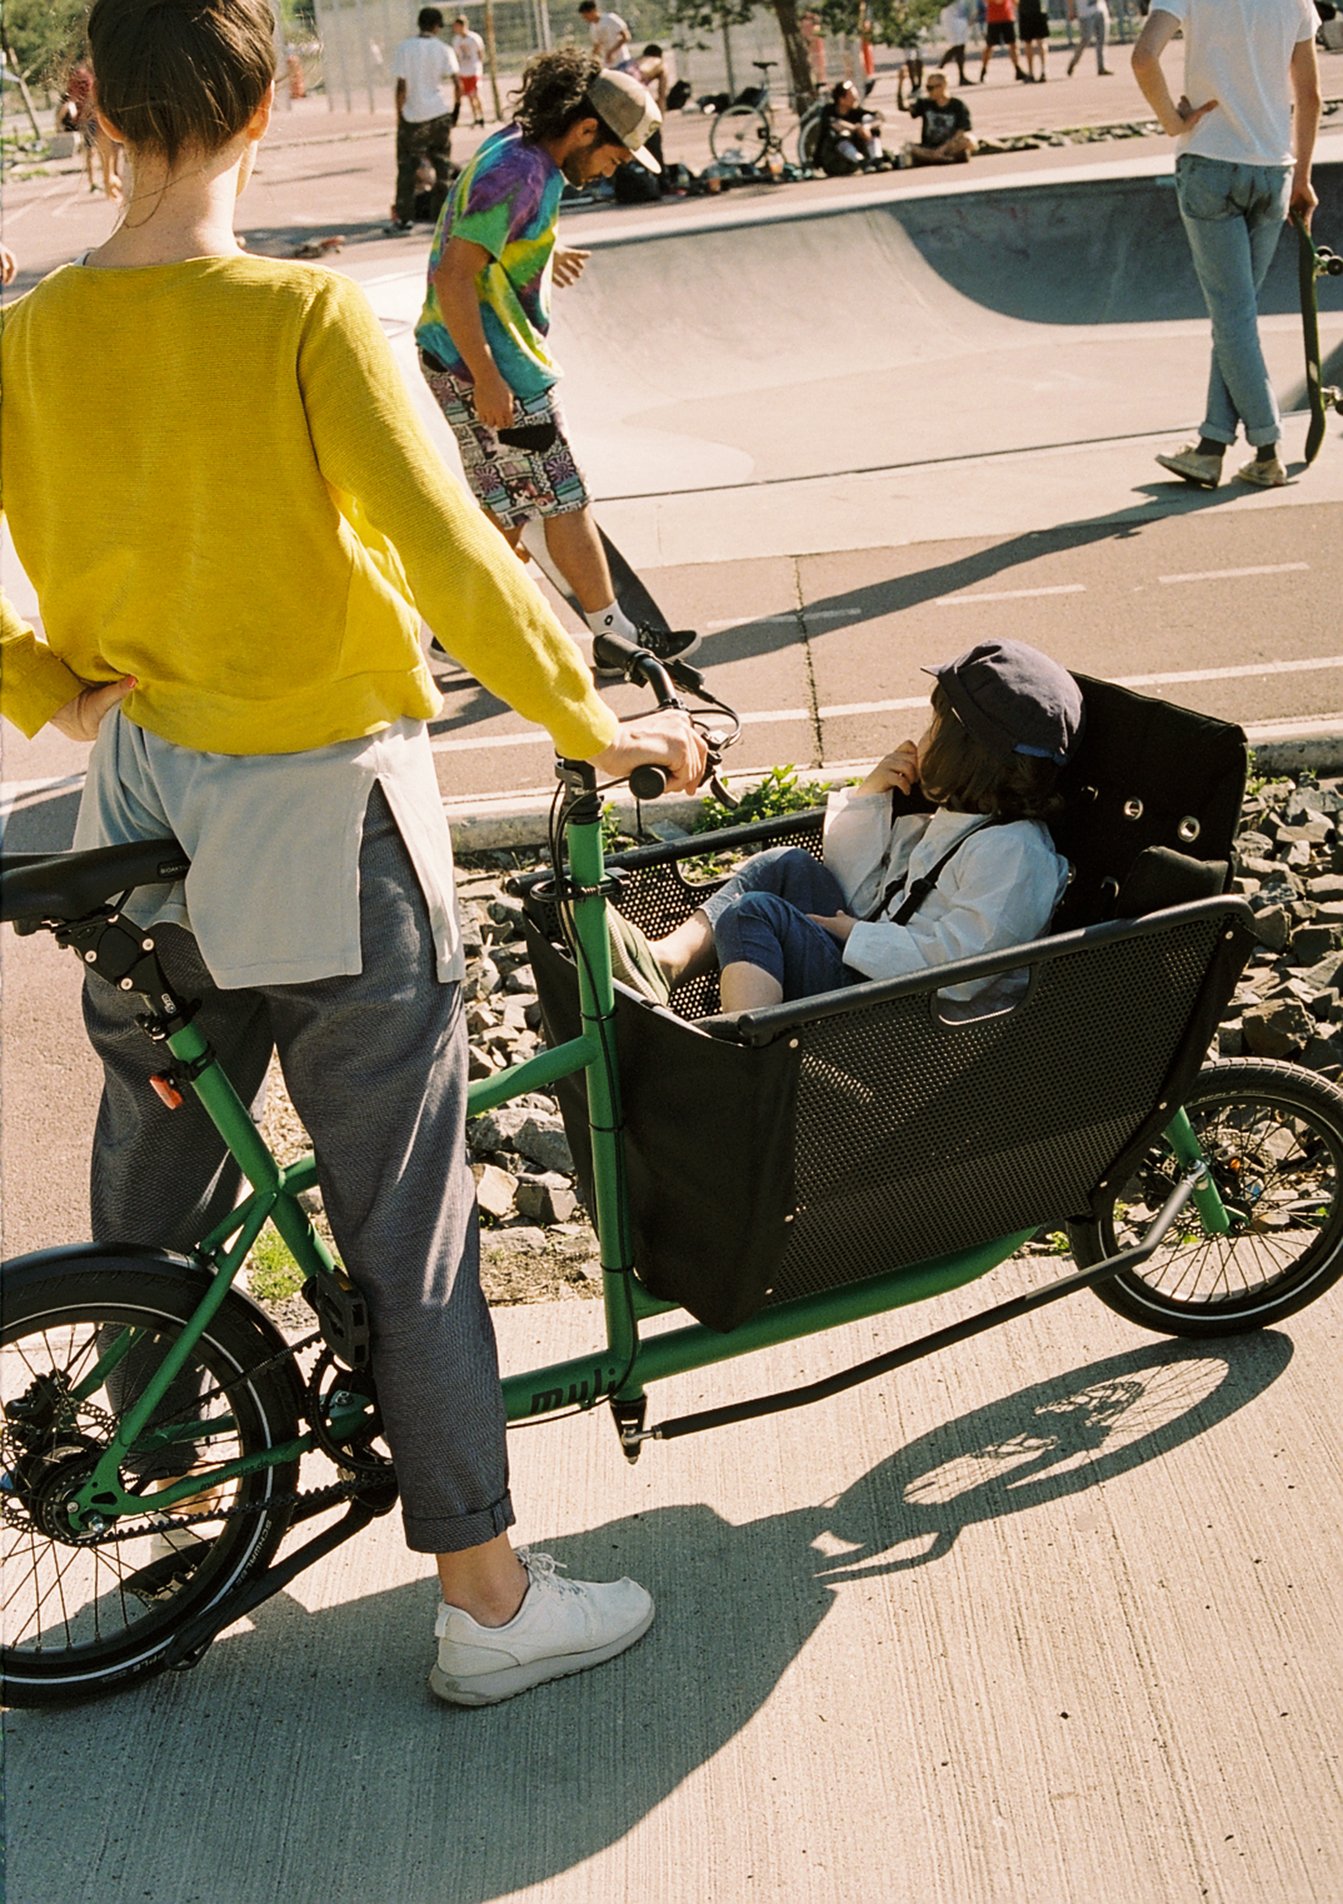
x,y
535,1241
1289,864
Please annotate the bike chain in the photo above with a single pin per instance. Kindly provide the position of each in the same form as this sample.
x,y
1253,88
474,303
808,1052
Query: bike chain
x,y
329,1495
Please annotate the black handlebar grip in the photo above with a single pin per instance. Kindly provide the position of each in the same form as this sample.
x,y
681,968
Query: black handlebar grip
x,y
648,783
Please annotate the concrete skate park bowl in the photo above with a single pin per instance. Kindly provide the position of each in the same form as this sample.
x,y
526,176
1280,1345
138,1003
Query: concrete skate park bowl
x,y
918,330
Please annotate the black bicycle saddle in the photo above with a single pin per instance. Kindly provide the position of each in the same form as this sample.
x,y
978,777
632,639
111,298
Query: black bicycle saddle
x,y
40,886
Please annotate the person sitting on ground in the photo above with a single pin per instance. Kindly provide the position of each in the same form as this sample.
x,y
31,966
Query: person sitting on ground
x,y
899,891
850,136
945,137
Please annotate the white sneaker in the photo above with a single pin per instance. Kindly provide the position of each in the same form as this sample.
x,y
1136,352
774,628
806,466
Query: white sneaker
x,y
562,1626
1204,472
1269,474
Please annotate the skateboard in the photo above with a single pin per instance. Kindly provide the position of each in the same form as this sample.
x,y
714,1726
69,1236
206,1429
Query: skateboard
x,y
1314,262
631,592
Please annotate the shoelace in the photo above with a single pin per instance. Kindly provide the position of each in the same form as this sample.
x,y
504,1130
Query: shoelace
x,y
544,1568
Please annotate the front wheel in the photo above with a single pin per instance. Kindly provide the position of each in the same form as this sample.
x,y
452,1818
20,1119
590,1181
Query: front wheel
x,y
80,1340
1272,1136
740,136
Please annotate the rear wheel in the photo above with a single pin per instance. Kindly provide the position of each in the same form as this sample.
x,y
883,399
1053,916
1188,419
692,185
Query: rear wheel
x,y
79,1343
809,140
740,136
1272,1136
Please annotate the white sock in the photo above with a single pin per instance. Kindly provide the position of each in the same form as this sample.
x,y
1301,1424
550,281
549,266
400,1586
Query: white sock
x,y
612,621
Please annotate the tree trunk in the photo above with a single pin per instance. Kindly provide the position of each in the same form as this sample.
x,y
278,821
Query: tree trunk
x,y
801,84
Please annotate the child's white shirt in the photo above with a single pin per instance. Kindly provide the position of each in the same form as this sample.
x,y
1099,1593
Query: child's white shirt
x,y
999,890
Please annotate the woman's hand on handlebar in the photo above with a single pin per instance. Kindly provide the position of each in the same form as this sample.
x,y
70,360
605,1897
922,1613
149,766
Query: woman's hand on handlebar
x,y
665,739
81,718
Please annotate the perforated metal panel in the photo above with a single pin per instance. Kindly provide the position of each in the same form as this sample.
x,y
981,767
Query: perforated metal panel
x,y
914,1137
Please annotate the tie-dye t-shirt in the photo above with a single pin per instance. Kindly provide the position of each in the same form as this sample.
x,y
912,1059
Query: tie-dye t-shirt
x,y
508,202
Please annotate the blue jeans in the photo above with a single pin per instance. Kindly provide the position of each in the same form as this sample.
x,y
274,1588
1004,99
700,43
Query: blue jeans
x,y
760,917
1233,216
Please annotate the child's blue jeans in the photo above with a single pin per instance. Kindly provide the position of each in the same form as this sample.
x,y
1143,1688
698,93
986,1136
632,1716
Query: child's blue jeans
x,y
760,917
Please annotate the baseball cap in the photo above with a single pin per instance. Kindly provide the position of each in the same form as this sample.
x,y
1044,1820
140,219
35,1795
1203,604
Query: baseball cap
x,y
625,108
1014,700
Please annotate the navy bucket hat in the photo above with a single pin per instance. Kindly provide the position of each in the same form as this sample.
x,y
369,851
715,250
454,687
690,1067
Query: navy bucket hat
x,y
1014,700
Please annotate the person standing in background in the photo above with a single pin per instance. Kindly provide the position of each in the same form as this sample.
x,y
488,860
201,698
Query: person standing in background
x,y
1093,22
610,35
1244,153
425,114
469,51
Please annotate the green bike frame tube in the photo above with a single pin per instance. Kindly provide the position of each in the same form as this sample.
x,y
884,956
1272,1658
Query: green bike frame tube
x,y
587,1379
1180,1135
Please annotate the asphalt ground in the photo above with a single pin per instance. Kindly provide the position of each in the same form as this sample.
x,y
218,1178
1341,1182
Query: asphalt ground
x,y
1049,1619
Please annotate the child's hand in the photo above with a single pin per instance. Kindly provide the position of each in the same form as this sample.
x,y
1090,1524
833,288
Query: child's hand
x,y
897,772
839,927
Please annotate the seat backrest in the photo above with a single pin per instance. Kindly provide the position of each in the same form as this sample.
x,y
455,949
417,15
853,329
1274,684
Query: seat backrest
x,y
1146,774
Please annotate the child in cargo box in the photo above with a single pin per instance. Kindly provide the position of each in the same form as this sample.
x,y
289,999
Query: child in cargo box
x,y
900,892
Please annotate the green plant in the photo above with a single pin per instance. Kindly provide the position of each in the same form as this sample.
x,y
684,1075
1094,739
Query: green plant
x,y
778,792
271,1270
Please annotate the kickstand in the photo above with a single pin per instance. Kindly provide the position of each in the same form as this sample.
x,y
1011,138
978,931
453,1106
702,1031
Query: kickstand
x,y
197,1636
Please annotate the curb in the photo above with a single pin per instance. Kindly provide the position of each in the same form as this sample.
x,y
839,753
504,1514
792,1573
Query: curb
x,y
512,820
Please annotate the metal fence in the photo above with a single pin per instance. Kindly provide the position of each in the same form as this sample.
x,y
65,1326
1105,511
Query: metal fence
x,y
351,60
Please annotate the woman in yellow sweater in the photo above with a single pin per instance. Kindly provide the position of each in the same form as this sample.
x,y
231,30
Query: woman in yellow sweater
x,y
238,635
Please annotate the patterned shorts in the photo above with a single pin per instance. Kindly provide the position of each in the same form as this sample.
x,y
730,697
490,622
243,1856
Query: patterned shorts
x,y
515,485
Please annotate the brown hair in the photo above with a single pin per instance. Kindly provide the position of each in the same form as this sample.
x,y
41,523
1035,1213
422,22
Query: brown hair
x,y
177,76
554,95
959,772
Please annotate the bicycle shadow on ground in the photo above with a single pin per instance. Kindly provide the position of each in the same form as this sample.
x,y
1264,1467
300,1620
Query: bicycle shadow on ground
x,y
302,1760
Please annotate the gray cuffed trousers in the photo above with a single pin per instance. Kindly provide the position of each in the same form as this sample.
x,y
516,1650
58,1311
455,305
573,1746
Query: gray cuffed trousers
x,y
376,1066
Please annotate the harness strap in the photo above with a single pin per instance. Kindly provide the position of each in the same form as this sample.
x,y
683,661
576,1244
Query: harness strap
x,y
921,887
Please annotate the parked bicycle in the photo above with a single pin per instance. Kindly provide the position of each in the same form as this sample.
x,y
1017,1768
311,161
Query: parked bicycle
x,y
747,133
846,1155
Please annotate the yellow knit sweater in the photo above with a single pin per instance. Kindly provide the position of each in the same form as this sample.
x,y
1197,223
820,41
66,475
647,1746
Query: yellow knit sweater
x,y
216,482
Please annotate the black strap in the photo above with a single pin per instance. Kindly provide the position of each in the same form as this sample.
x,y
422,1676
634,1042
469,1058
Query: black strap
x,y
921,888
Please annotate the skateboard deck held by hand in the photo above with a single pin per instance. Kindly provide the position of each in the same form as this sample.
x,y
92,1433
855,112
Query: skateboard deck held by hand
x,y
631,593
1315,262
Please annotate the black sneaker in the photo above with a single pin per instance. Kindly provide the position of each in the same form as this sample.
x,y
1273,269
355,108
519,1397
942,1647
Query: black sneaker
x,y
673,645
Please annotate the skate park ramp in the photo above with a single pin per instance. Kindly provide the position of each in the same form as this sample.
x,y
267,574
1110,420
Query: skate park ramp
x,y
921,329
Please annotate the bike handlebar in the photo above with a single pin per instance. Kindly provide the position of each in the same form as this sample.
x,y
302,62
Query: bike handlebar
x,y
613,654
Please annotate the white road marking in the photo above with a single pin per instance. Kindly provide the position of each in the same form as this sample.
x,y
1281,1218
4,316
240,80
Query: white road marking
x,y
778,621
1231,575
1006,595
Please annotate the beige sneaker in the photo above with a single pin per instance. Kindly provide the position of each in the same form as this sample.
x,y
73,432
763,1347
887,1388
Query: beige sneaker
x,y
1204,472
1267,475
562,1626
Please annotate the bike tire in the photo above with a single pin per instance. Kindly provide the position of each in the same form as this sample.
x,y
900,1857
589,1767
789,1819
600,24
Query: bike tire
x,y
809,140
1272,1135
741,135
77,1622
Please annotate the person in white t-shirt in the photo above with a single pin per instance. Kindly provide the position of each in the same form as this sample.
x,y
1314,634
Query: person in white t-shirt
x,y
470,51
1242,168
610,35
423,67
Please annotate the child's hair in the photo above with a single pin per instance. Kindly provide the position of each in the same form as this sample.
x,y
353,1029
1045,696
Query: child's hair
x,y
554,94
179,76
958,771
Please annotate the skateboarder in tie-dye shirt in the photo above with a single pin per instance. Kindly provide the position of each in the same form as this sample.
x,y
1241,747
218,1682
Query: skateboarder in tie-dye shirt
x,y
483,334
